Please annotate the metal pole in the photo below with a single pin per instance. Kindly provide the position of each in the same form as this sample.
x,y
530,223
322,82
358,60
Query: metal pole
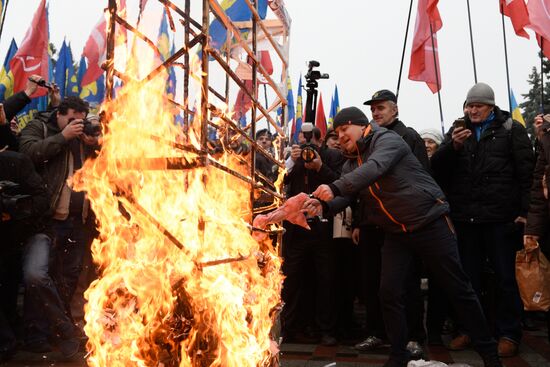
x,y
472,40
254,111
403,53
186,61
437,81
506,59
3,17
110,53
204,77
541,75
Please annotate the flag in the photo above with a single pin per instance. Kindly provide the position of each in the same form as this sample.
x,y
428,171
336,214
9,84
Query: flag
x,y
289,100
32,57
539,19
422,67
238,11
6,76
163,41
518,14
73,88
334,107
516,112
94,92
320,119
297,125
37,104
95,49
1,6
62,68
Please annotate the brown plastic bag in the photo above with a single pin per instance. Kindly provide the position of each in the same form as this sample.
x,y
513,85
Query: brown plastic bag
x,y
533,277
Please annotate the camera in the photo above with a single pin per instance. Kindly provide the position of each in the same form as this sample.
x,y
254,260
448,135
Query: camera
x,y
42,83
313,75
91,129
308,149
13,204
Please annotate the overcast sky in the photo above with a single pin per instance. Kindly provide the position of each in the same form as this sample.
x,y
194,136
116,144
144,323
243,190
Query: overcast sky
x,y
359,43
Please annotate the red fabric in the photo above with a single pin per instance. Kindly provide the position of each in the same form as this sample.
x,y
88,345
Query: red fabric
x,y
265,60
32,57
142,4
95,49
422,66
539,17
518,14
320,119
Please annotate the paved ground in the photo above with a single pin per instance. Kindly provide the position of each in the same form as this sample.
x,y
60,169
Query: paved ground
x,y
534,352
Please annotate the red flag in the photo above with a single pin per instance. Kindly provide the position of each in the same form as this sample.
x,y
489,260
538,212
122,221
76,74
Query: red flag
x,y
518,14
265,60
320,119
422,67
95,49
32,57
539,17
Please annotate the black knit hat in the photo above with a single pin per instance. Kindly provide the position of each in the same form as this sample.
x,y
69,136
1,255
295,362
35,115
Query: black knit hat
x,y
350,116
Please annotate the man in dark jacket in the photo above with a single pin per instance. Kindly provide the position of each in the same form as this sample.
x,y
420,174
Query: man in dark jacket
x,y
56,143
487,168
403,199
301,247
25,237
384,109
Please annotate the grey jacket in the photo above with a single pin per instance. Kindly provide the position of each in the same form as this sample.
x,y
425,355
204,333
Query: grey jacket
x,y
398,194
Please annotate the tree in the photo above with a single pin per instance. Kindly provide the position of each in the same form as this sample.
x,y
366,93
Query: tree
x,y
532,104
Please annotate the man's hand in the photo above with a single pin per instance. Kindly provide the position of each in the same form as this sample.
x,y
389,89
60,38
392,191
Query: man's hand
x,y
459,136
314,164
3,119
32,85
324,193
55,95
312,207
295,152
73,129
521,220
355,235
89,140
530,241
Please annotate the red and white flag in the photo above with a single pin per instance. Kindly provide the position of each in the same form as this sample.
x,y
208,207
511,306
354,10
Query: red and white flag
x,y
95,49
539,17
422,67
516,10
320,119
32,57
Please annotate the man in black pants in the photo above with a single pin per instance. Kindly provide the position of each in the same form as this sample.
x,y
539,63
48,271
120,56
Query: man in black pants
x,y
404,200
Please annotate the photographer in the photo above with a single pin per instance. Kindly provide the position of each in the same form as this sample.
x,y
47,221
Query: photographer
x,y
309,166
58,143
25,245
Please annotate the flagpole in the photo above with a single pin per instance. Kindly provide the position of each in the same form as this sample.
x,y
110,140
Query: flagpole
x,y
403,53
506,57
472,40
3,17
541,75
437,81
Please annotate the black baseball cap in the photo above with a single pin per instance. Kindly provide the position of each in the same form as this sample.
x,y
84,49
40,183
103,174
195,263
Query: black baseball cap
x,y
382,95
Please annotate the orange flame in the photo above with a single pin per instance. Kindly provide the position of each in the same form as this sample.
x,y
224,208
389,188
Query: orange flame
x,y
182,282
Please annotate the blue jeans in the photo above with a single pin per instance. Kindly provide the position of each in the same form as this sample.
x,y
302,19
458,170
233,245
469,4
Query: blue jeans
x,y
43,306
71,240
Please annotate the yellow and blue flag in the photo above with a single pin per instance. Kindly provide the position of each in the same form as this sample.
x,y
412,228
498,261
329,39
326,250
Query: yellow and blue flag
x,y
516,112
73,86
334,107
297,126
63,68
238,11
163,41
94,92
6,76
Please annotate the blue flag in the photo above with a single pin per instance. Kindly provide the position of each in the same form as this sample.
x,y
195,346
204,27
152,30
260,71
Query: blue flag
x,y
299,111
334,107
73,84
238,11
6,76
63,69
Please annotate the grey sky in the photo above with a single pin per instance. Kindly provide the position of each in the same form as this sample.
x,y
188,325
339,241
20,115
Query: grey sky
x,y
359,44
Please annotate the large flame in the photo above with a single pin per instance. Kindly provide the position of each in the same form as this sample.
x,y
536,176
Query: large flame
x,y
182,281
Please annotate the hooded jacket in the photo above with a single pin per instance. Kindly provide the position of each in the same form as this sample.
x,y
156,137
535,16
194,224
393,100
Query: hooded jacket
x,y
487,181
398,194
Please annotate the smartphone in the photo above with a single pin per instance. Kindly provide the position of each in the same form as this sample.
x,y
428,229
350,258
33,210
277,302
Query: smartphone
x,y
459,123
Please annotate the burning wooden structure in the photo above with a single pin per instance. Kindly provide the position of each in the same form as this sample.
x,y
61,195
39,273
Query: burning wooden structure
x,y
182,281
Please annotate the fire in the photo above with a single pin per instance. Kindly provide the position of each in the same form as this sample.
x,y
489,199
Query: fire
x,y
182,281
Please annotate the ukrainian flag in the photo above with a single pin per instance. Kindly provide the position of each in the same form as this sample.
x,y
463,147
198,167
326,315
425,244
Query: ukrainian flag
x,y
297,126
94,92
62,68
6,76
334,107
516,112
73,83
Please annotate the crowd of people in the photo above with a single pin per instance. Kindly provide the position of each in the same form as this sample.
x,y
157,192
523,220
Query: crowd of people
x,y
447,211
389,208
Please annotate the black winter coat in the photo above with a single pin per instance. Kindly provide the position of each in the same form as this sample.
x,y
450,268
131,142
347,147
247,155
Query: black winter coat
x,y
12,106
488,181
413,140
